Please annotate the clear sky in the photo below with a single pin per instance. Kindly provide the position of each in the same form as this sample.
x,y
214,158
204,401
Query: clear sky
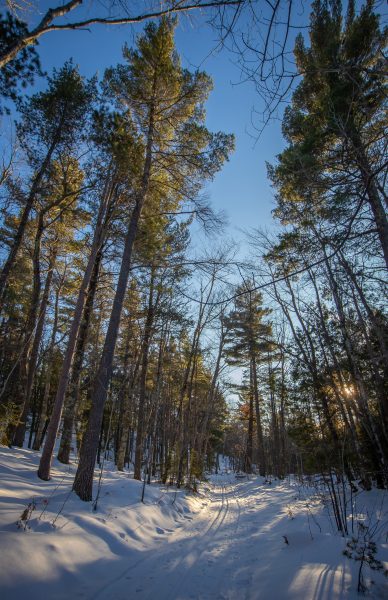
x,y
241,189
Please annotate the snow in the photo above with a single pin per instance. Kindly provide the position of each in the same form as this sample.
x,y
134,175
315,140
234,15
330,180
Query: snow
x,y
226,542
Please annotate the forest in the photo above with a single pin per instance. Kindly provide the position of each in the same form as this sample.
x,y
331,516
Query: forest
x,y
136,339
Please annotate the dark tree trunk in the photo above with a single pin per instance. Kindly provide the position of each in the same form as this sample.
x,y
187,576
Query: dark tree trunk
x,y
36,183
73,395
143,378
33,359
259,428
123,443
83,483
362,398
98,238
42,425
377,208
249,450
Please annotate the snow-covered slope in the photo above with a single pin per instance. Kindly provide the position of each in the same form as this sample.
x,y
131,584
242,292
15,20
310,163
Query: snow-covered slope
x,y
235,539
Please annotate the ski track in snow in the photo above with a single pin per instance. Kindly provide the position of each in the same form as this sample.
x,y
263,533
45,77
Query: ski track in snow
x,y
224,544
195,565
234,558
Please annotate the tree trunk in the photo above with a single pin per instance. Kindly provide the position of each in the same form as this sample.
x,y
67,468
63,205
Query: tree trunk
x,y
249,450
9,263
38,440
212,392
126,416
143,379
377,208
20,431
74,385
259,428
83,483
367,421
45,461
186,390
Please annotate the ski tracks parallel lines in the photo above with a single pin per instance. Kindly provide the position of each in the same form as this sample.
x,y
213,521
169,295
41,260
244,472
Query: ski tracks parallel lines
x,y
207,538
196,538
200,546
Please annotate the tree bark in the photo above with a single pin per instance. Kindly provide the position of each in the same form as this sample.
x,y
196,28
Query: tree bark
x,y
45,461
37,180
73,395
367,421
377,208
38,440
20,431
259,427
83,483
143,380
126,421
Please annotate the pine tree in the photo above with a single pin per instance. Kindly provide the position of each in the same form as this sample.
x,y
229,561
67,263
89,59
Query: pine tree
x,y
58,216
329,186
120,148
20,71
180,153
248,343
336,122
52,122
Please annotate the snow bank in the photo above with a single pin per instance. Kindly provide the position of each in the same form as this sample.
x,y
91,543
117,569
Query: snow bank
x,y
237,539
66,549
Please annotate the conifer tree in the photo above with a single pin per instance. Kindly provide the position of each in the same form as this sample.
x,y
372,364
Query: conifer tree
x,y
336,124
21,70
52,121
180,153
58,216
121,151
248,343
330,185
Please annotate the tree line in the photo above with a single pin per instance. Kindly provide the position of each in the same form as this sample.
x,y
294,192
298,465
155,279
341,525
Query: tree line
x,y
107,175
103,353
328,265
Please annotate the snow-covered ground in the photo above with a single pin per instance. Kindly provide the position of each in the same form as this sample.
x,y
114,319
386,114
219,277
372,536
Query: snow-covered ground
x,y
236,539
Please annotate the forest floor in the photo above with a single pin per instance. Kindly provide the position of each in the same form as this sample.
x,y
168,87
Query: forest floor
x,y
235,539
